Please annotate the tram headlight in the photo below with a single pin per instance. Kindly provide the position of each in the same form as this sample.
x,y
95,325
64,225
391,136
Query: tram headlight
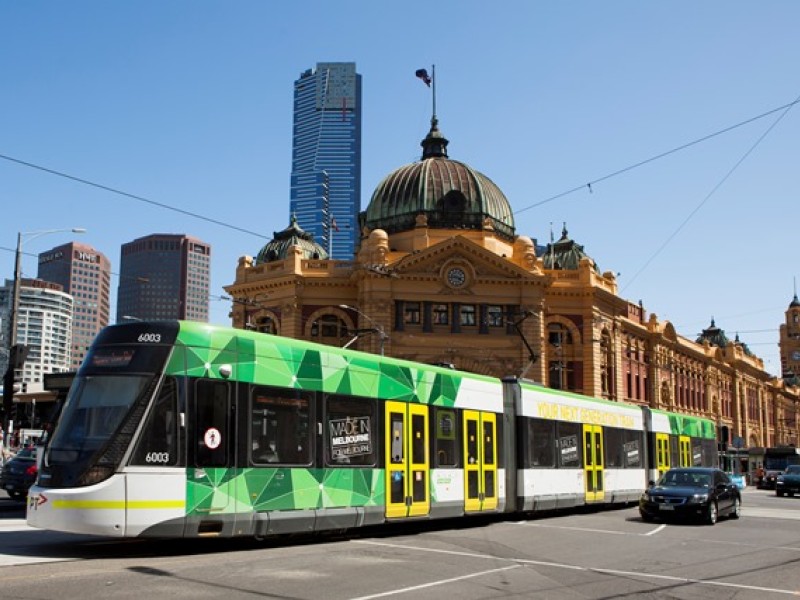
x,y
96,474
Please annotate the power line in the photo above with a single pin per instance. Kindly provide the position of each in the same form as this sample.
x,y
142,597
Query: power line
x,y
786,108
589,184
132,196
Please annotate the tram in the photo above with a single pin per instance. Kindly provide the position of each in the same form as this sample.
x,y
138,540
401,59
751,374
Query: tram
x,y
182,429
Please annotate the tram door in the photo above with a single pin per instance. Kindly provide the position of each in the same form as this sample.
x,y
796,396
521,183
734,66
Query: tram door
x,y
685,450
214,443
662,453
480,461
407,467
593,462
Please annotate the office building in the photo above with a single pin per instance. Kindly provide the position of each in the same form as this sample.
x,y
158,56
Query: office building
x,y
44,325
164,276
85,274
326,156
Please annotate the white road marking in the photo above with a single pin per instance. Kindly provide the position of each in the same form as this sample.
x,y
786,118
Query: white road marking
x,y
656,530
525,561
414,588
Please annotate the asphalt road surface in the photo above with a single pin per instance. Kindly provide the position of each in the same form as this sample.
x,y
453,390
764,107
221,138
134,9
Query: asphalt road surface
x,y
575,555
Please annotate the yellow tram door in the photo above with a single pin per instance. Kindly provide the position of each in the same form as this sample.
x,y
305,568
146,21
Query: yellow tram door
x,y
407,467
662,453
480,461
685,450
593,463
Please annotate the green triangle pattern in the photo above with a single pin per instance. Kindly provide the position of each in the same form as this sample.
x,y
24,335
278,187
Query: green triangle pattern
x,y
249,490
305,365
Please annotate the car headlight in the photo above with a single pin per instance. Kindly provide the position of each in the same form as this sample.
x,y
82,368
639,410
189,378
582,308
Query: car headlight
x,y
699,498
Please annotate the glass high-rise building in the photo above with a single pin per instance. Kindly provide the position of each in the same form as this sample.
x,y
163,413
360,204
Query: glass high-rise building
x,y
326,156
84,273
164,276
44,325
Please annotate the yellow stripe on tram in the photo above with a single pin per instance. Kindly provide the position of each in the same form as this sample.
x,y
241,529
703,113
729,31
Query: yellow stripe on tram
x,y
117,504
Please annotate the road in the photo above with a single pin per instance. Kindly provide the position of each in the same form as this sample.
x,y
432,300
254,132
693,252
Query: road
x,y
585,554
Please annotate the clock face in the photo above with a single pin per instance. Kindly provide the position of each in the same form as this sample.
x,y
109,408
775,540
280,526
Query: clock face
x,y
456,277
796,355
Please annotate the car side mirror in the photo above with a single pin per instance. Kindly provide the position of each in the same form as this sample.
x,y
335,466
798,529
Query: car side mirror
x,y
651,483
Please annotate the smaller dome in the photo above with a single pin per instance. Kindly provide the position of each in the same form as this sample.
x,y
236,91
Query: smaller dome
x,y
714,335
564,254
278,248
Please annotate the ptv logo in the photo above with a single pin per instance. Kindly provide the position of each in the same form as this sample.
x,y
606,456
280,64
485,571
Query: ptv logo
x,y
37,501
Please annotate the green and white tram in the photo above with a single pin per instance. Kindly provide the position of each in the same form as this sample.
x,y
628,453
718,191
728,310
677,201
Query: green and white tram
x,y
181,429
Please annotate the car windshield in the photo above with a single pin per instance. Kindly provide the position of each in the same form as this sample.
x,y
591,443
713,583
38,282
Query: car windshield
x,y
793,469
25,453
685,479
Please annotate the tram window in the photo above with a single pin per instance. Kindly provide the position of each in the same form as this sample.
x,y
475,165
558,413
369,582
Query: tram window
x,y
211,423
445,444
541,443
279,427
633,449
569,450
613,442
674,456
350,427
158,444
697,453
710,452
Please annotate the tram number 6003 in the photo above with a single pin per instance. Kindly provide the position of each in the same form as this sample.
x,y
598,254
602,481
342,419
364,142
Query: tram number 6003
x,y
157,457
150,337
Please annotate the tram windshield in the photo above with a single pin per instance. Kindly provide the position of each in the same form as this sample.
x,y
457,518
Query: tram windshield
x,y
95,409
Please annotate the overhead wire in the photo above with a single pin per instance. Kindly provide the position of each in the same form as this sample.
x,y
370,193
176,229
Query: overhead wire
x,y
132,196
705,138
730,172
785,108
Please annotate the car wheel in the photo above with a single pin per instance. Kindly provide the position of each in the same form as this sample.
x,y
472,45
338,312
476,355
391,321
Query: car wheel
x,y
712,513
736,511
791,494
645,517
779,493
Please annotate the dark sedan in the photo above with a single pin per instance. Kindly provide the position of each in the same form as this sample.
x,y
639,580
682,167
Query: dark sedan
x,y
768,480
691,493
19,473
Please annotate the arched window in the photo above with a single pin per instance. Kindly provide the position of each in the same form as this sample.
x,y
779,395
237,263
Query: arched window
x,y
266,325
328,329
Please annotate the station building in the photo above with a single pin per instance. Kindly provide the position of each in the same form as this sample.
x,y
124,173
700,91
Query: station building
x,y
442,276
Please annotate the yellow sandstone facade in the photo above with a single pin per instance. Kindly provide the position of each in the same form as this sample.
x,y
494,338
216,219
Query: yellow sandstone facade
x,y
441,276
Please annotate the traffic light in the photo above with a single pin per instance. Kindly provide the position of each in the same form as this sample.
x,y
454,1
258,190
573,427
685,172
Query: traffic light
x,y
16,361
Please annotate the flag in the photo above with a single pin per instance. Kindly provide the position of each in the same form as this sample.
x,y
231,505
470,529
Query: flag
x,y
333,224
423,74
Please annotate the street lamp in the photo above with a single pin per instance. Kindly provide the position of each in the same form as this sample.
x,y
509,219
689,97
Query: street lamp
x,y
8,390
377,327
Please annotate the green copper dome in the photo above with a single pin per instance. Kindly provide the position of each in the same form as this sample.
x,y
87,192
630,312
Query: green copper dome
x,y
565,254
449,193
278,248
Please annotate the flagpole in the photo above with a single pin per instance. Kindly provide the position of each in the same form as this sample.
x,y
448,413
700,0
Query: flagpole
x,y
433,84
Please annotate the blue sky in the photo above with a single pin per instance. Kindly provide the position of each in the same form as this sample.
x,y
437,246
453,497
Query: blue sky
x,y
189,104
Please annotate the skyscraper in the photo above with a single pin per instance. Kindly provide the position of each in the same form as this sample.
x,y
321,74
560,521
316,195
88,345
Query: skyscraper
x,y
164,276
44,325
326,156
84,273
